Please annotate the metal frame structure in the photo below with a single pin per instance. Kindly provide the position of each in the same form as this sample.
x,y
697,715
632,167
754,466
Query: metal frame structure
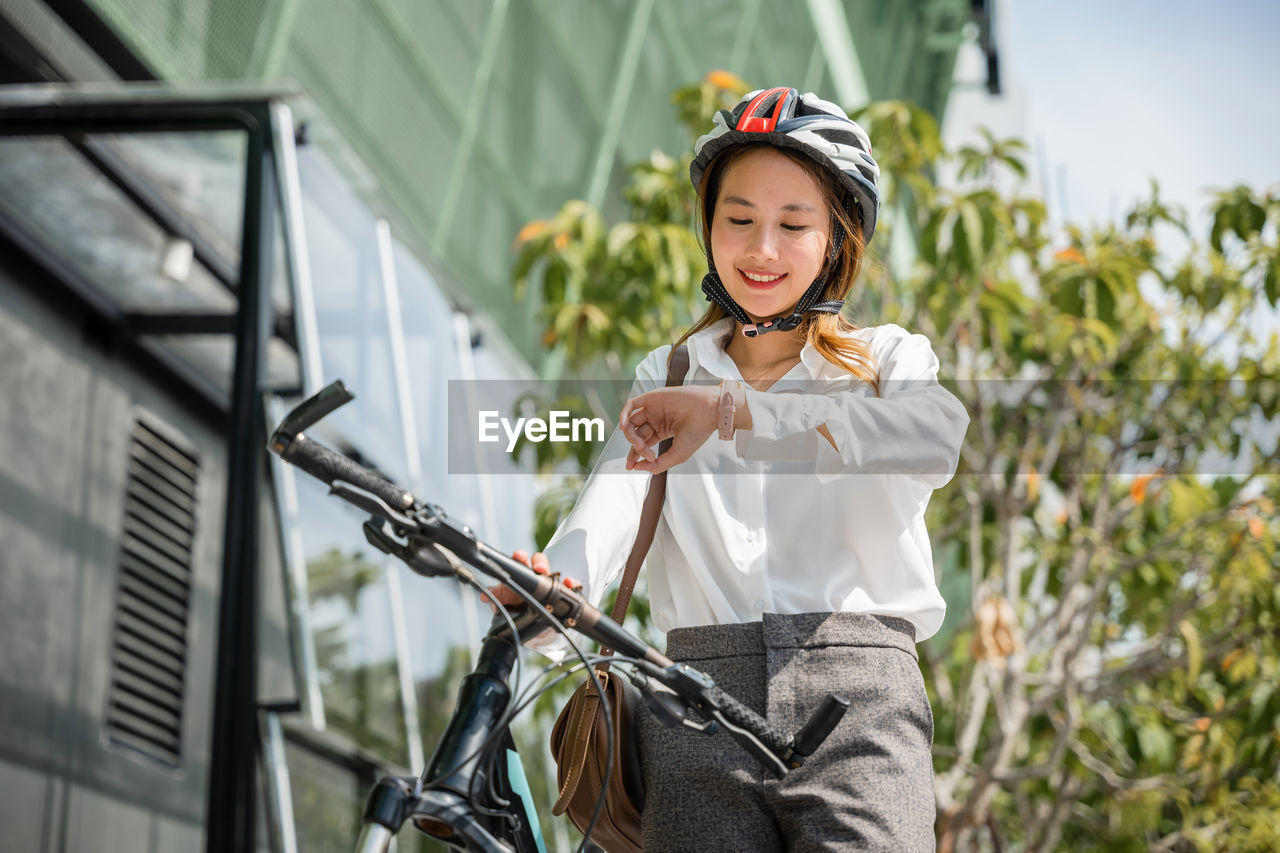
x,y
243,731
232,788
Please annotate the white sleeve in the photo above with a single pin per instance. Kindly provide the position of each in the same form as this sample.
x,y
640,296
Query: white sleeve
x,y
914,427
593,542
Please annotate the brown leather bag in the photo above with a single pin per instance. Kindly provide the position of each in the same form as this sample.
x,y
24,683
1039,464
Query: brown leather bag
x,y
579,738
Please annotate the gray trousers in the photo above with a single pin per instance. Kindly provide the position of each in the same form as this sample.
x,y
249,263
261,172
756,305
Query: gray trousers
x,y
868,787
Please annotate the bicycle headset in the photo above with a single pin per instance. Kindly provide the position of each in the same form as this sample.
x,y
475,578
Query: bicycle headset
x,y
822,132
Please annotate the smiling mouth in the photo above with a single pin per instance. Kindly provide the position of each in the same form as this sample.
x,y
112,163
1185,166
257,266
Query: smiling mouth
x,y
761,280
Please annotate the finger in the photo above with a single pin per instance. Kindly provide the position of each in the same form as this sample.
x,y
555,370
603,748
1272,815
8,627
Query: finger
x,y
637,442
540,563
638,448
643,464
521,555
674,455
633,405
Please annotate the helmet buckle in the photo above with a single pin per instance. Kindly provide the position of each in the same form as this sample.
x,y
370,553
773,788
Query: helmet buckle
x,y
777,324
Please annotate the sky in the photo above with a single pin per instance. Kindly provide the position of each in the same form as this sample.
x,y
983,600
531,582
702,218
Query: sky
x,y
1109,94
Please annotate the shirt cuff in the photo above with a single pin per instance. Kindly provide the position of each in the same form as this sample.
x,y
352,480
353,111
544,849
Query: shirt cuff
x,y
783,427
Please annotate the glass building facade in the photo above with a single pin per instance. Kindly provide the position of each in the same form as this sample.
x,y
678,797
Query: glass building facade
x,y
476,117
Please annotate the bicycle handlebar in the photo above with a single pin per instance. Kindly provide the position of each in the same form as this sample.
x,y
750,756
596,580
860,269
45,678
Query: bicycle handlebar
x,y
427,524
327,466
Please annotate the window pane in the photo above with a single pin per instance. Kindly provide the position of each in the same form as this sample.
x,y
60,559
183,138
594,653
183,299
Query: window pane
x,y
351,622
92,225
201,174
351,316
327,802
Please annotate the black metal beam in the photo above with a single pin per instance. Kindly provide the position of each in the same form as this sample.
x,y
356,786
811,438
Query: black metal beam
x,y
233,790
64,119
101,38
154,204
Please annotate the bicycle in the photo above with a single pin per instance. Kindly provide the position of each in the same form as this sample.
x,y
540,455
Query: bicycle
x,y
466,797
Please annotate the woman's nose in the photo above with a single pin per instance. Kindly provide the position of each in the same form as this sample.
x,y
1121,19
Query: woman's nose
x,y
763,244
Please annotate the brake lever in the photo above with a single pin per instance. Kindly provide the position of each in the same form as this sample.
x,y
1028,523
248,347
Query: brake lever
x,y
751,743
684,679
667,707
429,560
372,504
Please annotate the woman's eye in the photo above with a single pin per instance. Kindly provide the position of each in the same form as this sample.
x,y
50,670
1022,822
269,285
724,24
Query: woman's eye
x,y
795,227
733,221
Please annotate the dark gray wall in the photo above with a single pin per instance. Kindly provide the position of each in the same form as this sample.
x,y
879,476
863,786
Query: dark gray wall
x,y
67,404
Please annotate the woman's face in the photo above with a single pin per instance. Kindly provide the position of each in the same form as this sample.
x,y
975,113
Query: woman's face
x,y
769,232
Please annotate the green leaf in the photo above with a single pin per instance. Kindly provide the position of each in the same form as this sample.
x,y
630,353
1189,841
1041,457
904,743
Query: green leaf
x,y
1187,500
1157,744
972,220
1262,693
1195,652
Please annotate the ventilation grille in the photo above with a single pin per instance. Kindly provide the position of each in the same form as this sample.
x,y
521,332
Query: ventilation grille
x,y
153,599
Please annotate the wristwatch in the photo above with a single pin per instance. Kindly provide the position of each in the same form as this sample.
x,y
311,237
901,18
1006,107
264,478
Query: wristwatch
x,y
727,408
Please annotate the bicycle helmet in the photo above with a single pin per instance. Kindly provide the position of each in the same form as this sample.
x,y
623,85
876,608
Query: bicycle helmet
x,y
822,132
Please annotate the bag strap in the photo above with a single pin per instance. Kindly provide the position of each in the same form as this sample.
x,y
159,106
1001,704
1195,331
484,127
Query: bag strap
x,y
649,514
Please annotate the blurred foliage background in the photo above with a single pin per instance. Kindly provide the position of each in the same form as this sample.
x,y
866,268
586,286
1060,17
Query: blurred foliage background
x,y
1107,675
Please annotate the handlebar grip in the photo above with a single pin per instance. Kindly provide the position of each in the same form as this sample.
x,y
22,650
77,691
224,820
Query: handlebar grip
x,y
814,732
327,465
740,715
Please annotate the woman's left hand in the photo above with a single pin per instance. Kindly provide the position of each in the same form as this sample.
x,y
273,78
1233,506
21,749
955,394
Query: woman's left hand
x,y
687,415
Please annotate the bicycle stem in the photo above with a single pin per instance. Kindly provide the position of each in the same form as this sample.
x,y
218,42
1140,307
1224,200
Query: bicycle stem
x,y
486,693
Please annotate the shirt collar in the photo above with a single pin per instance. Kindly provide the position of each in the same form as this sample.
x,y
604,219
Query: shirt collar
x,y
707,350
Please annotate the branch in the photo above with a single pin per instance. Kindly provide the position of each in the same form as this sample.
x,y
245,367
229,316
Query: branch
x,y
1069,792
941,680
967,742
1166,844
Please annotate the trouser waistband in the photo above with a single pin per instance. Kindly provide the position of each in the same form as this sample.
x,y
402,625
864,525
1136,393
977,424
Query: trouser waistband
x,y
792,631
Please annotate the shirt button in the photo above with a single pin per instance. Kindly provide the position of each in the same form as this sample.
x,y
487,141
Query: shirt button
x,y
758,604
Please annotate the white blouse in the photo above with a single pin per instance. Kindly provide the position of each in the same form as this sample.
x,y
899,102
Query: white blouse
x,y
778,520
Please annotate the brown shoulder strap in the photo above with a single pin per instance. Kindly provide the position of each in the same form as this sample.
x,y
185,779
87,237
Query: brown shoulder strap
x,y
652,509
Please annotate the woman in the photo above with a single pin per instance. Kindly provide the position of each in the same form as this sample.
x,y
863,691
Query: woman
x,y
791,559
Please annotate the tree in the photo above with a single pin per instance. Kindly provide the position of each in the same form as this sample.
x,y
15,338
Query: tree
x,y
1106,677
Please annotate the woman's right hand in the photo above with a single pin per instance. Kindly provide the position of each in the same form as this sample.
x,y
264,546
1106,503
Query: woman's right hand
x,y
508,597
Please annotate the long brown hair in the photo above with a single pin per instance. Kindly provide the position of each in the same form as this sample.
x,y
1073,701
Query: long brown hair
x,y
825,332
